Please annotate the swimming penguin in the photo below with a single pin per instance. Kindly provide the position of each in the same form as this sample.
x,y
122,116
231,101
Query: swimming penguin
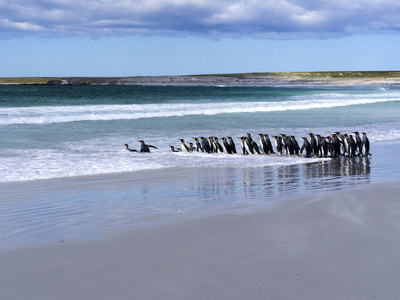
x,y
191,147
175,149
306,146
232,144
184,147
131,150
144,147
365,146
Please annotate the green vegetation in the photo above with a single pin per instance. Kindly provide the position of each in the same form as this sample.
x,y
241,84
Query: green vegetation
x,y
311,75
27,80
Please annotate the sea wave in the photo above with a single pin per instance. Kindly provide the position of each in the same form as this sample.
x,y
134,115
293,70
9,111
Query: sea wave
x,y
63,114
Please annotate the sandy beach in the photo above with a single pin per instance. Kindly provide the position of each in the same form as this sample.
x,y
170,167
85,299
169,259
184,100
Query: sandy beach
x,y
333,245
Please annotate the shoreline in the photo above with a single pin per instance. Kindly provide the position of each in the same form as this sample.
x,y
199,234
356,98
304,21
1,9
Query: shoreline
x,y
324,246
375,78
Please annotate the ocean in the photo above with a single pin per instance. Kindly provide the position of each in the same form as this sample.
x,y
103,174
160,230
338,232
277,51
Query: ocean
x,y
55,139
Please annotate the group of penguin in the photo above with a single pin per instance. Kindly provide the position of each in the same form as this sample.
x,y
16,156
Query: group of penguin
x,y
334,145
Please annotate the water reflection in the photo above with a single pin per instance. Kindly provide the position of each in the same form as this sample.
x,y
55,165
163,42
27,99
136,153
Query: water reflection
x,y
269,183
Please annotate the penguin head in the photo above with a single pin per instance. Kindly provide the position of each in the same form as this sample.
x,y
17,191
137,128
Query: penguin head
x,y
126,145
182,140
141,141
304,138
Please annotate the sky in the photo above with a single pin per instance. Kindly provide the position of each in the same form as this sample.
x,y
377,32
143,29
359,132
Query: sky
x,y
183,37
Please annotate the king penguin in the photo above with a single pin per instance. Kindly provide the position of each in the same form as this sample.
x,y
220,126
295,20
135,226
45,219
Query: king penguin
x,y
144,147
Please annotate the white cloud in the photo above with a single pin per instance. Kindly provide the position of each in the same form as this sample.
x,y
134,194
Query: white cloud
x,y
261,18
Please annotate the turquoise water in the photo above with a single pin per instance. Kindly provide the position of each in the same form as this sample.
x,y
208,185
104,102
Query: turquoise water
x,y
63,131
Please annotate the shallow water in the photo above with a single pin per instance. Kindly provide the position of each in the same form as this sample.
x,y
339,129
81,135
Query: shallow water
x,y
90,206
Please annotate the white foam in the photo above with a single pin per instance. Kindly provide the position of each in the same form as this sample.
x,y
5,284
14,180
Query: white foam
x,y
62,114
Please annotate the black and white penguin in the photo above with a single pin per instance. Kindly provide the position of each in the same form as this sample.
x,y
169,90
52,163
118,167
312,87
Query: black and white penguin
x,y
232,144
269,144
131,150
263,144
217,146
175,149
205,145
307,147
278,144
359,142
296,145
145,148
365,145
199,148
225,146
184,147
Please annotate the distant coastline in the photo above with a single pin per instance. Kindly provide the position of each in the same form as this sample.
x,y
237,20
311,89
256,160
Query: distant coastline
x,y
239,79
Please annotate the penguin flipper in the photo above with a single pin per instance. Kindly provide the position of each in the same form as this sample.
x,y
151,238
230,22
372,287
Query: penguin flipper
x,y
152,146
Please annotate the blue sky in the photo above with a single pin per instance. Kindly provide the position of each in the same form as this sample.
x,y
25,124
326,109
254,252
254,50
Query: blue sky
x,y
179,37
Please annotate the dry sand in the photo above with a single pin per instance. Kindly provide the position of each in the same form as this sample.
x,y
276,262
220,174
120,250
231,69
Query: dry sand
x,y
342,245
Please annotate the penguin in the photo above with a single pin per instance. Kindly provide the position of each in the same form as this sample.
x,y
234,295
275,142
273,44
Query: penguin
x,y
285,143
346,145
248,144
184,147
254,145
131,150
144,147
278,144
225,146
307,147
217,146
269,144
232,144
313,143
290,145
205,145
212,145
358,142
175,149
319,145
242,143
296,145
365,145
263,144
199,148
335,145
352,146
324,146
341,141
191,147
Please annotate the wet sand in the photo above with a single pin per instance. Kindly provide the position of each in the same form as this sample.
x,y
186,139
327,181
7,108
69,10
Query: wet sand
x,y
329,245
